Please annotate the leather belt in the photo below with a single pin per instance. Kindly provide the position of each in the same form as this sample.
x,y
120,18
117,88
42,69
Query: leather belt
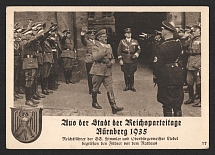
x,y
127,52
48,53
193,54
174,64
17,54
54,50
38,52
29,56
99,61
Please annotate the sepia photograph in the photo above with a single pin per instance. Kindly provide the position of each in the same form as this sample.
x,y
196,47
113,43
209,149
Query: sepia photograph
x,y
109,67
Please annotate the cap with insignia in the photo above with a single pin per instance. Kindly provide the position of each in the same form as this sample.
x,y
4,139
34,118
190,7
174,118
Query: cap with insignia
x,y
127,30
91,31
101,32
168,26
18,30
66,31
196,27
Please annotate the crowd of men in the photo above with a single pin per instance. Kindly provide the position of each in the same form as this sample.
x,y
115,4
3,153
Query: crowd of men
x,y
176,62
36,55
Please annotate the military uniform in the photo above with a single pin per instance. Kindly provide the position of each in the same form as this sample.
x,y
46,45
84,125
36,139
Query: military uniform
x,y
101,71
193,68
38,52
168,74
47,64
128,52
89,43
53,77
30,64
67,55
17,66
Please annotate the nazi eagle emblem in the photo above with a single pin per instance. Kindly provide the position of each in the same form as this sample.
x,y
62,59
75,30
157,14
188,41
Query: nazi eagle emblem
x,y
26,124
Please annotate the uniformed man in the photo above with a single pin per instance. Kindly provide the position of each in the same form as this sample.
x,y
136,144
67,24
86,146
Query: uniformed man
x,y
168,73
128,51
17,62
89,58
30,63
67,55
37,29
101,70
194,65
53,77
48,60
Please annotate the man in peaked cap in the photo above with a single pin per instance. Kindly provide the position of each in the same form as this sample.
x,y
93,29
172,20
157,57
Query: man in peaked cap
x,y
128,51
30,63
101,70
67,55
194,65
168,73
89,42
17,62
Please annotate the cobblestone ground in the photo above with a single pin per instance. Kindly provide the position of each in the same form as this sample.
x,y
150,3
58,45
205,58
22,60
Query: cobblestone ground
x,y
74,100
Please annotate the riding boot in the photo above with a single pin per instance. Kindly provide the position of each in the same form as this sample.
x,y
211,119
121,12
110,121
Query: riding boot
x,y
16,90
178,114
191,95
198,91
95,103
56,81
70,76
66,76
126,78
112,102
43,85
34,89
38,94
132,83
28,97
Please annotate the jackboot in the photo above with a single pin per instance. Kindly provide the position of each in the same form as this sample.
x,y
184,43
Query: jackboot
x,y
112,102
28,97
132,83
95,103
198,91
167,114
191,95
126,78
32,89
43,85
16,90
66,76
178,114
70,76
197,104
21,90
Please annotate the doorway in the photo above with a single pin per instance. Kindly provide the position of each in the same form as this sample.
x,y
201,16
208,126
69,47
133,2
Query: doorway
x,y
139,22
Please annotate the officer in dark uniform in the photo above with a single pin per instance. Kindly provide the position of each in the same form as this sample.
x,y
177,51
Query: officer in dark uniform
x,y
37,28
101,70
89,58
128,51
48,60
17,62
194,65
30,63
53,77
168,73
67,55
